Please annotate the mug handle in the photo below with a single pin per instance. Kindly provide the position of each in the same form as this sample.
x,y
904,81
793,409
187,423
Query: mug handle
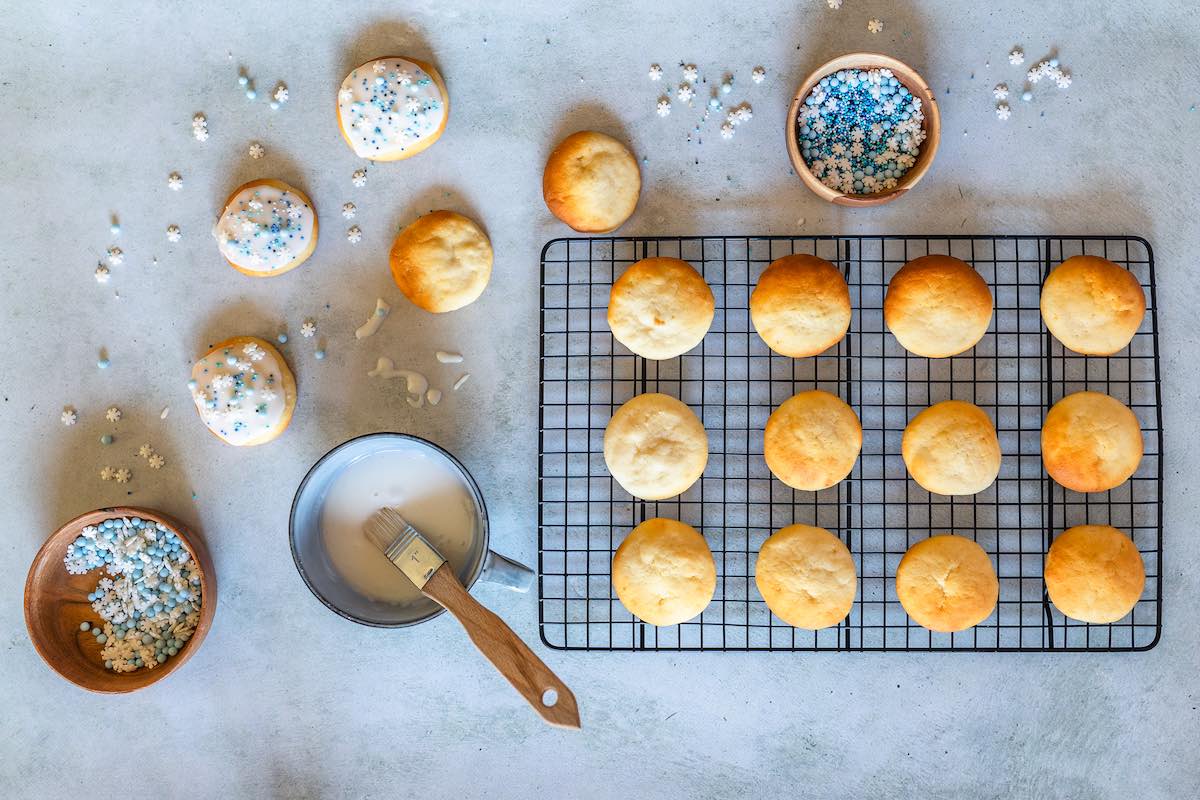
x,y
506,572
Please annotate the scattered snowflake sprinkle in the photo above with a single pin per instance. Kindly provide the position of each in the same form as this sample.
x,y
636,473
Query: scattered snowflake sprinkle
x,y
115,256
359,178
107,474
200,128
1016,57
257,151
354,234
1003,111
102,274
281,93
122,475
664,107
156,461
145,451
348,210
655,72
173,233
834,4
1062,80
175,181
685,92
875,25
758,75
69,416
346,95
113,414
690,73
1001,91
727,130
308,329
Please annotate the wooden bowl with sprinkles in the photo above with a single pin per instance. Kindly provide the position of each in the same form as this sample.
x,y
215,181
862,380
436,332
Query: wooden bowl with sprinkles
x,y
56,605
932,124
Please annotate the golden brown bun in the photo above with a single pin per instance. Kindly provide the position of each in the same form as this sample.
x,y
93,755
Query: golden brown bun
x,y
442,261
655,447
283,187
812,441
807,577
664,572
951,448
660,308
937,306
420,146
1094,573
947,583
801,306
1092,305
1091,442
286,379
591,182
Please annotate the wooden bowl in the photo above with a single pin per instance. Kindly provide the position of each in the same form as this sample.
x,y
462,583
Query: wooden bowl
x,y
56,603
911,81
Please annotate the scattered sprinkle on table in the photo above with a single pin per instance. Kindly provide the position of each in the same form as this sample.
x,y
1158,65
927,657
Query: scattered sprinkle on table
x,y
685,92
690,73
280,95
107,473
1016,57
354,234
656,72
282,338
664,107
115,256
156,461
200,127
102,362
458,384
173,233
69,416
758,75
122,475
106,439
308,329
860,131
115,227
113,414
151,597
359,178
257,151
1027,96
145,451
1003,112
875,25
163,414
446,357
175,181
102,274
834,4
319,354
1001,91
348,210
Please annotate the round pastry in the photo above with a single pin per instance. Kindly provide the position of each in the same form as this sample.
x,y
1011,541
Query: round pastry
x,y
442,261
660,308
591,182
664,572
806,576
812,441
1094,573
951,448
266,229
937,306
1092,305
801,306
655,447
947,583
392,108
1091,442
244,391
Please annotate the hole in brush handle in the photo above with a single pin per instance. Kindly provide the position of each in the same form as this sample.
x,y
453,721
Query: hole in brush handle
x,y
550,698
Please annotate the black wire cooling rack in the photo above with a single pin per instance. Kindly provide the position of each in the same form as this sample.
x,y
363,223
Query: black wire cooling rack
x,y
734,382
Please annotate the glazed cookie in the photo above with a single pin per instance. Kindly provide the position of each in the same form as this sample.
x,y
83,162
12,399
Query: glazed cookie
x,y
664,572
801,306
660,308
806,576
655,447
442,261
244,391
591,182
392,108
812,441
266,229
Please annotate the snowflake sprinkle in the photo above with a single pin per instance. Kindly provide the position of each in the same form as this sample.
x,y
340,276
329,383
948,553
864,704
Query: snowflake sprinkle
x,y
875,25
115,256
257,151
173,233
834,4
727,130
690,73
107,474
145,451
69,416
102,274
156,461
175,181
664,107
685,92
348,210
122,475
281,93
655,72
758,75
1016,57
308,329
1003,111
113,414
359,178
1001,91
354,234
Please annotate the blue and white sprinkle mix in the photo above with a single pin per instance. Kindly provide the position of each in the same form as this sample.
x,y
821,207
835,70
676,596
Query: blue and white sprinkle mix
x,y
149,600
860,131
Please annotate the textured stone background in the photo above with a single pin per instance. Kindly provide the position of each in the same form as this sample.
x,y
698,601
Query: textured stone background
x,y
287,700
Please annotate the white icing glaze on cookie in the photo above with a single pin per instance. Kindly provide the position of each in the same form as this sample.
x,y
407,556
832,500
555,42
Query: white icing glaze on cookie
x,y
239,391
389,105
264,228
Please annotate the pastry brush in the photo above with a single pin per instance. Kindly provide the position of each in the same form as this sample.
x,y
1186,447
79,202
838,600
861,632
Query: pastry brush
x,y
422,564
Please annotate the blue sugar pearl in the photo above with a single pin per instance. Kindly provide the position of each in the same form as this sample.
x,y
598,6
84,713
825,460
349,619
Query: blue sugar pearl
x,y
91,597
282,338
251,94
161,658
136,522
119,633
1054,62
96,631
274,104
320,354
106,439
243,80
147,638
108,665
83,626
103,363
1027,96
172,651
102,638
137,662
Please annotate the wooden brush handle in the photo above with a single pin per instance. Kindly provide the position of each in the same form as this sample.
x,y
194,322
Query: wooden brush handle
x,y
508,654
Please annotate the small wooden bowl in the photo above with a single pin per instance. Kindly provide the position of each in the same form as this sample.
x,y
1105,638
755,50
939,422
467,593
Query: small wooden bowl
x,y
56,603
911,81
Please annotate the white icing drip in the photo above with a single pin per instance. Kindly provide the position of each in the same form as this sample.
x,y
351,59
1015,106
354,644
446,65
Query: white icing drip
x,y
239,398
264,229
449,358
415,383
376,319
388,106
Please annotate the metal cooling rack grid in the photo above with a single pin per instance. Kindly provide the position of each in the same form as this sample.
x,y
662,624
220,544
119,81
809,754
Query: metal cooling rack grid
x,y
734,382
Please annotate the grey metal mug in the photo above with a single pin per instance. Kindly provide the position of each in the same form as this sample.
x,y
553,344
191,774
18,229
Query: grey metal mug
x,y
323,580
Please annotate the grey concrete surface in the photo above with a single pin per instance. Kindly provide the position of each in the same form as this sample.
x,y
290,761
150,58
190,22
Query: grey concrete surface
x,y
287,700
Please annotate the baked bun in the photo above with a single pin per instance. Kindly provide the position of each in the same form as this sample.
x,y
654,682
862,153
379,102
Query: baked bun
x,y
664,572
244,391
266,228
937,306
812,441
1091,442
660,308
1092,305
591,182
392,108
655,447
442,261
947,583
806,576
1094,573
801,306
951,448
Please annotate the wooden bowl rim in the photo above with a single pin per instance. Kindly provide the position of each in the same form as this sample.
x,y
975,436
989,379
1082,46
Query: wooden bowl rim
x,y
139,679
912,81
